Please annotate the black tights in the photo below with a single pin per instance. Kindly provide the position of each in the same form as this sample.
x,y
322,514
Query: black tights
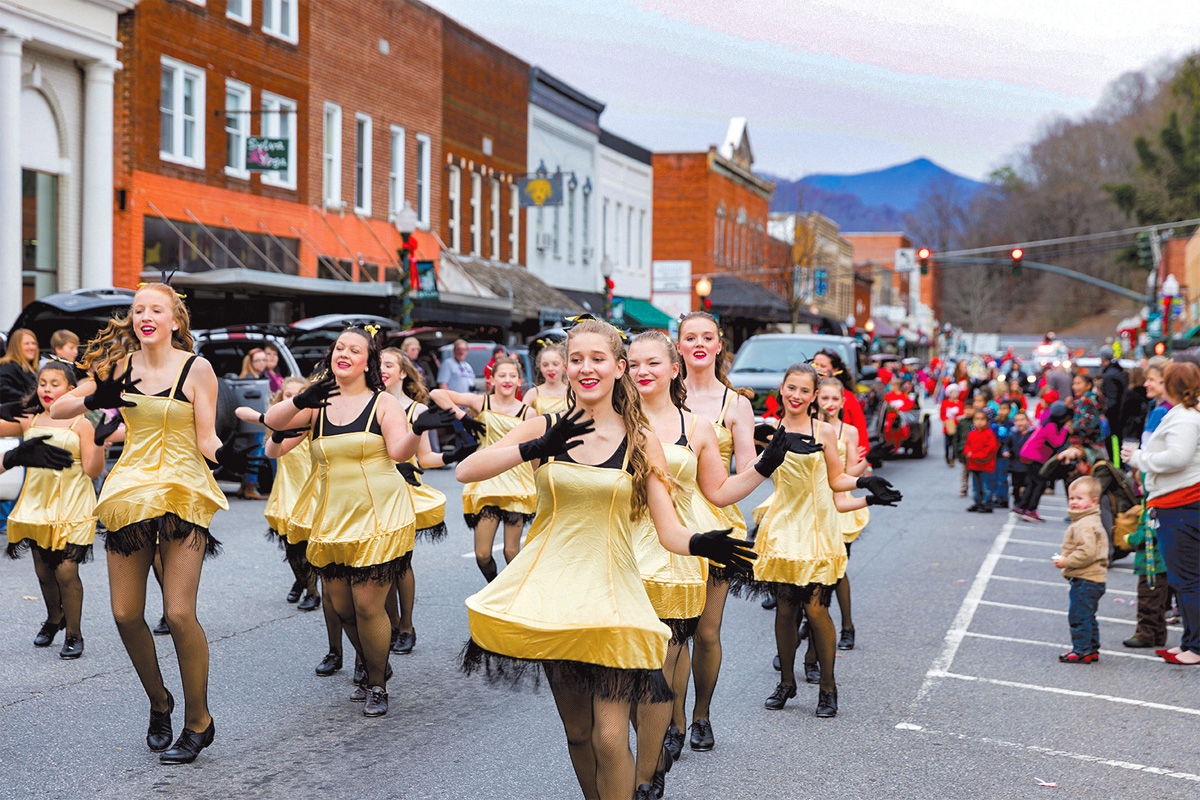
x,y
597,740
706,648
360,607
181,563
822,638
61,590
297,559
651,721
1035,489
333,625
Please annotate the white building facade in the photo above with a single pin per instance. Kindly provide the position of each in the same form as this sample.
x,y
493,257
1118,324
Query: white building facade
x,y
57,59
561,243
625,175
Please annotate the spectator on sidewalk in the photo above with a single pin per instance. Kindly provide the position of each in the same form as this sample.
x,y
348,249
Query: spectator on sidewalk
x,y
1153,591
980,450
456,374
1017,468
1084,562
1037,450
1114,381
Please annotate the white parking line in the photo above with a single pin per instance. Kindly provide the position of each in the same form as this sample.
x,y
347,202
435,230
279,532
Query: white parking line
x,y
1035,541
1047,751
1058,646
1129,701
1058,584
1051,611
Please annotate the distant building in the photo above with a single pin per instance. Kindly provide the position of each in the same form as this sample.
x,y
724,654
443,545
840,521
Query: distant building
x,y
625,180
57,65
824,266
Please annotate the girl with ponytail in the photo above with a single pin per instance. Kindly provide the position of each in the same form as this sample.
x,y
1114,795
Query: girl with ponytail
x,y
573,602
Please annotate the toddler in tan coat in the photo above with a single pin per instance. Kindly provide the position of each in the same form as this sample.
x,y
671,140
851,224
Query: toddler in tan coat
x,y
1084,562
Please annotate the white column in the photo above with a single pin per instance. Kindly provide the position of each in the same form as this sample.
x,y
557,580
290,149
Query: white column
x,y
97,228
10,179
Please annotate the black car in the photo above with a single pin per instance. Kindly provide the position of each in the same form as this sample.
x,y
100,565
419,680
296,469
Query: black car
x,y
310,338
83,311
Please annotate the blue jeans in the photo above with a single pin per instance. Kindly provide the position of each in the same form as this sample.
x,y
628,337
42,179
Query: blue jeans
x,y
1081,614
1179,537
998,487
979,483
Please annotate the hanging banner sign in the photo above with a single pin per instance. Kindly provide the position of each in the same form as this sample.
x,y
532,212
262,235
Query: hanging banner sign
x,y
264,154
426,288
541,190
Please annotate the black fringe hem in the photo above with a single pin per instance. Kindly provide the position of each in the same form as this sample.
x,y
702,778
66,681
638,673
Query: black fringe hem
x,y
607,683
169,527
718,574
682,630
386,572
746,587
276,538
78,553
434,533
495,512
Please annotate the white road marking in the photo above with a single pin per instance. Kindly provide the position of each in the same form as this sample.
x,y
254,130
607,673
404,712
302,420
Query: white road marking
x,y
1063,647
1051,611
1129,701
1034,541
1051,752
966,612
1059,584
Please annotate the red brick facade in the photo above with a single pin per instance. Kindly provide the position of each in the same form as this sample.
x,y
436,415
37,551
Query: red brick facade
x,y
485,95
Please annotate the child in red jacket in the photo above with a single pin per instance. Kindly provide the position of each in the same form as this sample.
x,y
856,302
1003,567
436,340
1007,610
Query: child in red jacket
x,y
980,451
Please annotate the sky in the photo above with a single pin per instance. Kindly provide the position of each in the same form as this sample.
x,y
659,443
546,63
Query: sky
x,y
839,86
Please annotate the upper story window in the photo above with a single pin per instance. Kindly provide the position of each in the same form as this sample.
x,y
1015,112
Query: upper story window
x,y
514,223
279,122
239,10
362,163
331,157
181,113
476,214
281,18
454,219
494,219
424,153
396,174
237,128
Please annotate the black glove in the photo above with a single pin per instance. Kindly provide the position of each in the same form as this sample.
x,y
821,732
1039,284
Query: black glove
x,y
409,472
10,411
874,484
763,431
473,426
773,454
316,395
804,446
720,547
106,429
461,452
889,499
559,438
279,437
233,457
36,453
108,392
431,419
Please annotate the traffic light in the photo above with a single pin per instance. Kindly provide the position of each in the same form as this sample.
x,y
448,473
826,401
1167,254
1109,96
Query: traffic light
x,y
923,256
1016,255
1145,251
1160,348
705,304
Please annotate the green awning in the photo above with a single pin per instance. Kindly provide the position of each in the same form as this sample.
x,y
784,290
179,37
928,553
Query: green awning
x,y
641,314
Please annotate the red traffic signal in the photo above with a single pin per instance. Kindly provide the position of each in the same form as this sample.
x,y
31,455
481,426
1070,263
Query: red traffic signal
x,y
1017,254
923,254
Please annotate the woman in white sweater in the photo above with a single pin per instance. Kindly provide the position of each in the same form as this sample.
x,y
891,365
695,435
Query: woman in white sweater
x,y
1171,462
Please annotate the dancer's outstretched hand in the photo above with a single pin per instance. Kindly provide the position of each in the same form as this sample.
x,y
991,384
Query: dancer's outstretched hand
x,y
108,392
804,446
106,429
473,426
409,472
233,457
316,395
889,499
559,438
279,437
36,453
773,454
460,452
722,548
430,419
875,485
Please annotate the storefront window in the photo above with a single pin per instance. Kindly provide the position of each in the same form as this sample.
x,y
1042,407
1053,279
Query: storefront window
x,y
169,246
39,234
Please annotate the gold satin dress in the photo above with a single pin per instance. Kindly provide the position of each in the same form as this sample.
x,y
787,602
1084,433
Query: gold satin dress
x,y
363,522
799,544
429,504
852,522
161,486
56,510
549,405
511,496
675,583
295,467
730,516
573,601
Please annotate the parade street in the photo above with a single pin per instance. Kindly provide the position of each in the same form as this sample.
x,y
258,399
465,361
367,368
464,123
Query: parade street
x,y
954,688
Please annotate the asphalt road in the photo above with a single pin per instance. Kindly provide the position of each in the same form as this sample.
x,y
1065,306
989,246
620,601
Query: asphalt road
x,y
953,691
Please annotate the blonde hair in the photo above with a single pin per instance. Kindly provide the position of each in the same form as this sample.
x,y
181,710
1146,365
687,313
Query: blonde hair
x,y
15,355
553,347
118,340
410,380
407,341
628,404
1088,484
721,365
293,380
61,337
678,387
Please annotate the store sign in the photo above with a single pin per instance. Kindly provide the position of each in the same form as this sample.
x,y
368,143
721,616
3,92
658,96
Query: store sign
x,y
426,288
541,190
672,276
264,154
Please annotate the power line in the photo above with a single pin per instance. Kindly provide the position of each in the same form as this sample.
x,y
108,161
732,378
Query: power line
x,y
1064,239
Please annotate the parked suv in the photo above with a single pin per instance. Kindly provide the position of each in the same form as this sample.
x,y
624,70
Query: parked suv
x,y
82,311
310,338
762,360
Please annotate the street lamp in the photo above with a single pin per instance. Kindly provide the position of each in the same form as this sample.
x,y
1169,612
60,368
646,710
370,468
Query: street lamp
x,y
1170,290
703,290
406,223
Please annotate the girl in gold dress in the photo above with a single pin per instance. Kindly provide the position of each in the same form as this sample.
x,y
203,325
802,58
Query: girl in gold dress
x,y
572,602
55,515
801,552
550,395
675,583
160,497
510,496
363,522
830,398
712,398
403,382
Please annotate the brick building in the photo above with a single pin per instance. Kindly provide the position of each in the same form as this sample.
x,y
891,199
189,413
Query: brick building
x,y
823,261
710,219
